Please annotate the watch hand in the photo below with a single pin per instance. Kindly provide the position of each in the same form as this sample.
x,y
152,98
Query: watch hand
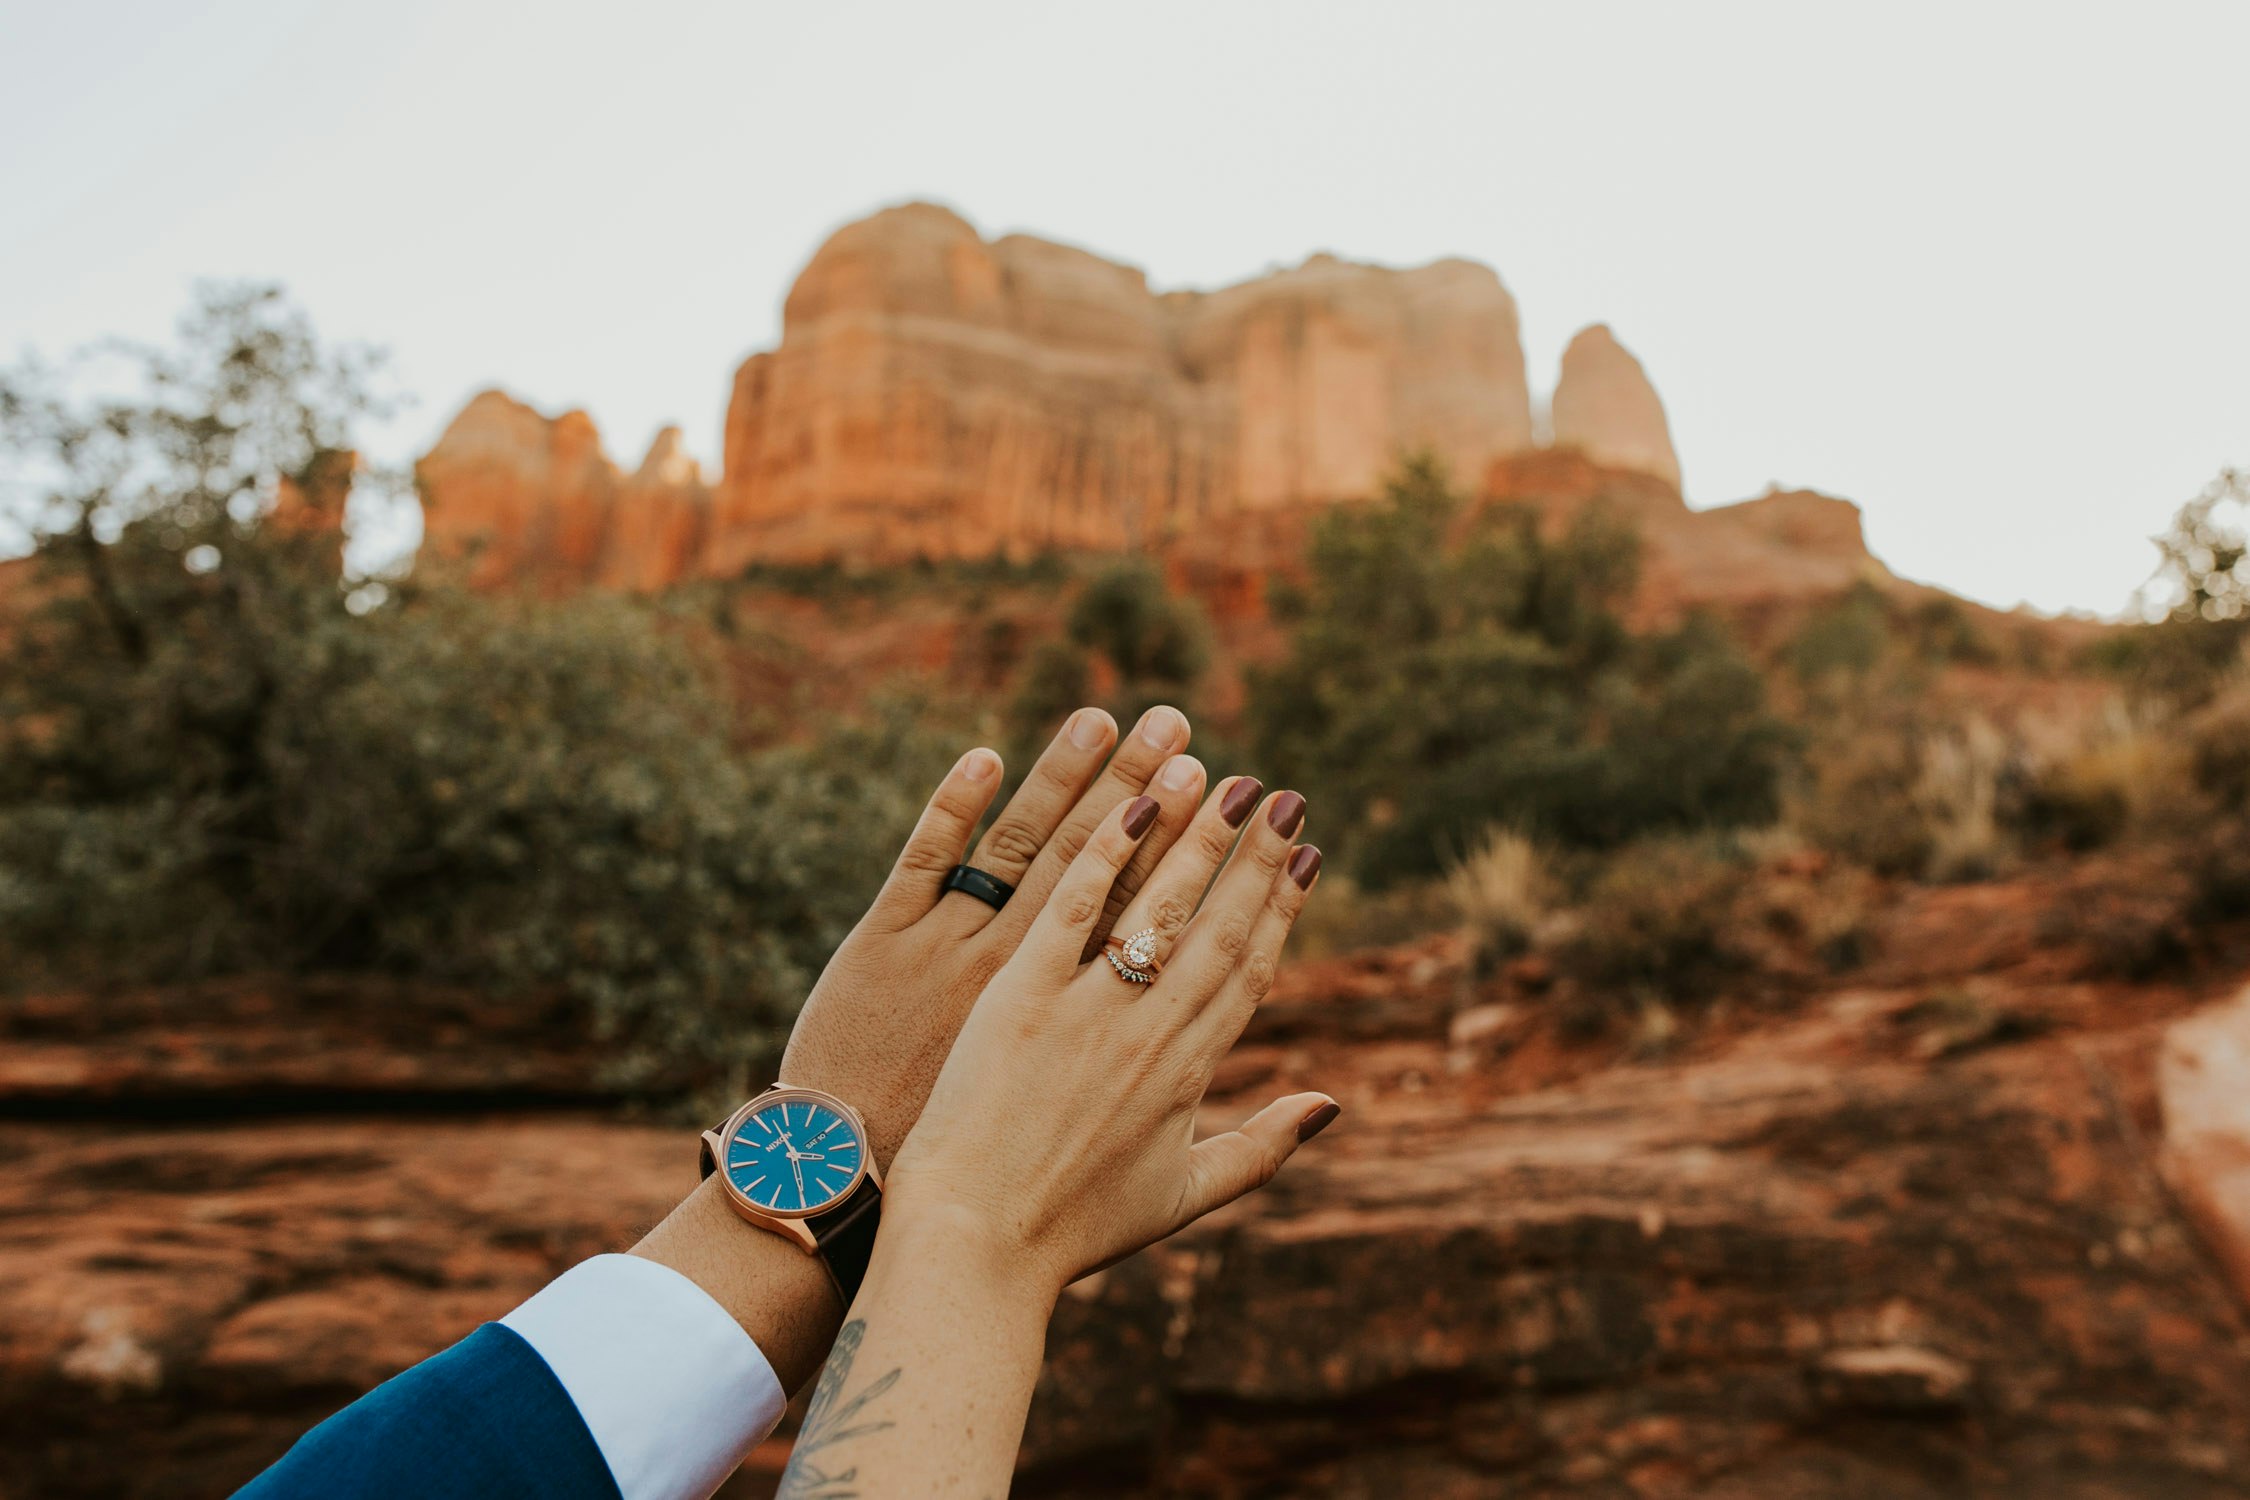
x,y
800,1171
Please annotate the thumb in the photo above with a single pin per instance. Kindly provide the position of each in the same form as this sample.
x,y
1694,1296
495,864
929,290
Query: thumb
x,y
1225,1167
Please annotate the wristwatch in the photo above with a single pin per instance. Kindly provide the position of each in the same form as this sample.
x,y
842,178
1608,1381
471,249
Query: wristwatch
x,y
795,1162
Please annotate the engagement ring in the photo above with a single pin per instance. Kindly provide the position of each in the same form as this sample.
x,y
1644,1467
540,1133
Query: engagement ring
x,y
1134,957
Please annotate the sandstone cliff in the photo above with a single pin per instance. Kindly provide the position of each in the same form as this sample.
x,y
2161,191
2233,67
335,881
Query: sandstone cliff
x,y
532,500
1605,406
938,394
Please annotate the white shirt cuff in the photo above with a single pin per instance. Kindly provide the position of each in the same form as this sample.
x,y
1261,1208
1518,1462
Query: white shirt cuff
x,y
673,1391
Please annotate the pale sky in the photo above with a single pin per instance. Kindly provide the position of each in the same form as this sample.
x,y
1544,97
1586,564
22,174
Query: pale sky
x,y
1983,268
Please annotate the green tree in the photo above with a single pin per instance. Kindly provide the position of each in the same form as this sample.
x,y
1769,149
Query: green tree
x,y
217,754
1452,669
1125,631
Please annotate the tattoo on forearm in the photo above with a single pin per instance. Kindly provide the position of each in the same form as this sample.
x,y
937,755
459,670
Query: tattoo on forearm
x,y
829,1420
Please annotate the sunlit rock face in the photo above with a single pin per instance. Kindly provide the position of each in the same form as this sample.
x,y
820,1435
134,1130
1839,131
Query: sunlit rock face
x,y
938,394
518,498
660,520
1605,406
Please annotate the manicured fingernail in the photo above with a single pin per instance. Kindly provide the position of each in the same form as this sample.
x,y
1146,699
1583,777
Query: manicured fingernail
x,y
1180,773
1090,728
1162,728
1240,798
980,765
1304,865
1139,815
1287,814
1319,1120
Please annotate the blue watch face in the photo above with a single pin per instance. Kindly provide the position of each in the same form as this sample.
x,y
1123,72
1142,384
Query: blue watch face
x,y
794,1156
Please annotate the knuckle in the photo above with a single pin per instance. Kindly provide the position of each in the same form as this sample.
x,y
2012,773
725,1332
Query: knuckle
x,y
1217,839
1133,876
1230,937
955,800
1012,841
1070,840
1078,905
926,858
1169,912
1257,975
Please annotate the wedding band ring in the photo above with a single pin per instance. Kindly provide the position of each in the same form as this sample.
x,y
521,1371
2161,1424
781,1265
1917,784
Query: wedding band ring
x,y
971,881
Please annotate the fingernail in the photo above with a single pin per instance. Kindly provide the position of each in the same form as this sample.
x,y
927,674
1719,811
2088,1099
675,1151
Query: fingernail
x,y
1139,815
1162,728
1180,773
1287,814
1240,798
980,765
1304,865
1090,728
1319,1120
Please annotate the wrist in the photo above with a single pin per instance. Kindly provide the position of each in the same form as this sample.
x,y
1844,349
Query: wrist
x,y
780,1295
969,1248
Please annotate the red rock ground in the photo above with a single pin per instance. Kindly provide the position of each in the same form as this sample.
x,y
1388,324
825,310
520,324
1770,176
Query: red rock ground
x,y
1863,1246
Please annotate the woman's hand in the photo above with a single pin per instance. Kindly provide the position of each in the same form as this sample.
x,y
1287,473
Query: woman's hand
x,y
1060,1137
878,1025
1060,1134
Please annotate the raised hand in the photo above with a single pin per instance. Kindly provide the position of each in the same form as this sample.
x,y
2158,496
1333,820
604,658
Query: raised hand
x,y
1062,1128
878,1025
1059,1137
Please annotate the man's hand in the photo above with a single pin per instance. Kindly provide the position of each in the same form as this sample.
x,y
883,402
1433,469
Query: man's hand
x,y
883,1016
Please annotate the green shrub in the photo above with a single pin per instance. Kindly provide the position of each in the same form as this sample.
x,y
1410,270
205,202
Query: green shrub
x,y
1452,669
1128,643
1846,639
1661,919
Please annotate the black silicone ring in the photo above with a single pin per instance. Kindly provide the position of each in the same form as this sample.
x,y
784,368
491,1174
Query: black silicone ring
x,y
972,881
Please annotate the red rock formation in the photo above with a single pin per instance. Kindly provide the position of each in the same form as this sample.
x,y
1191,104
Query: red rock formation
x,y
661,518
1780,548
534,501
1605,407
524,498
936,394
1845,1250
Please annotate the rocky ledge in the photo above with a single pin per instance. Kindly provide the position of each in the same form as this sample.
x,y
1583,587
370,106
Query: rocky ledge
x,y
1869,1247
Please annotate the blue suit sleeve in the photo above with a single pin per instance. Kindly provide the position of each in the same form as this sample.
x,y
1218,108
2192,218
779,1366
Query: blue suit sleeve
x,y
486,1418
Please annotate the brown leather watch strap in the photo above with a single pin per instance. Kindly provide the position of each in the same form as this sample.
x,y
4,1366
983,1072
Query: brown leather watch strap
x,y
846,1237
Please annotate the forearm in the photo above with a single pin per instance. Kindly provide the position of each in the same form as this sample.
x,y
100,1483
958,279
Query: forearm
x,y
781,1296
926,1390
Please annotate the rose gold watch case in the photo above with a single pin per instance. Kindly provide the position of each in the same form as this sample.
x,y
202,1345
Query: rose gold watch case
x,y
787,1222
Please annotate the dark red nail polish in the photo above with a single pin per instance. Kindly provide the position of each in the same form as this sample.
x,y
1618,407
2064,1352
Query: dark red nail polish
x,y
1139,815
1240,798
1304,865
1318,1120
1287,814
